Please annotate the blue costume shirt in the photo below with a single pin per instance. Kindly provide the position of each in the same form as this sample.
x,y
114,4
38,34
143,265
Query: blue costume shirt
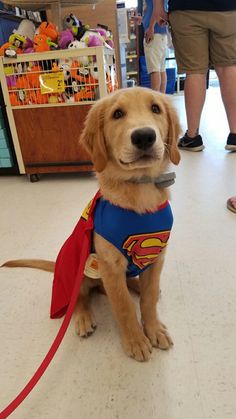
x,y
140,238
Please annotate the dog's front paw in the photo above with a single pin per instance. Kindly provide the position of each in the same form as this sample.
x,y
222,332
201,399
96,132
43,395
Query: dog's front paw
x,y
85,324
158,335
138,347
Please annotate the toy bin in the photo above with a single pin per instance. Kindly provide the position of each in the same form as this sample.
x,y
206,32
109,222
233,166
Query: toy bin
x,y
47,96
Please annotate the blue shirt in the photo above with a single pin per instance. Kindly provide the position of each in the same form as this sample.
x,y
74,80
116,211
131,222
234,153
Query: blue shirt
x,y
148,14
139,237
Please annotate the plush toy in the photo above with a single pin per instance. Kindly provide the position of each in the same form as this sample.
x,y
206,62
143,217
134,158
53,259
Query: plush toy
x,y
71,22
3,48
14,99
94,74
17,42
93,38
38,98
11,82
94,41
29,46
66,37
71,86
102,32
42,43
84,60
22,83
84,95
33,75
49,29
26,28
76,26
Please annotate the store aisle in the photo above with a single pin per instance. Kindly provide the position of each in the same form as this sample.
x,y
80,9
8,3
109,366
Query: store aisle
x,y
93,378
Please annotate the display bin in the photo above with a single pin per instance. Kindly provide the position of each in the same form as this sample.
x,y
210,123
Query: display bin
x,y
47,97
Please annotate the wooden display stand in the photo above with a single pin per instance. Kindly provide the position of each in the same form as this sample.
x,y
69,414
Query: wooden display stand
x,y
46,136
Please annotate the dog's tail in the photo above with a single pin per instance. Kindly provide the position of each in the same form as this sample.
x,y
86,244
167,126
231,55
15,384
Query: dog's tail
x,y
45,265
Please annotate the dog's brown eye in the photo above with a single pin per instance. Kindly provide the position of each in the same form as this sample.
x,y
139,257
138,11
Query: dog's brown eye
x,y
155,108
118,114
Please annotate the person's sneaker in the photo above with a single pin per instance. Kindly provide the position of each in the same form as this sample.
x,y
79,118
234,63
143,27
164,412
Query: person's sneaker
x,y
191,144
231,142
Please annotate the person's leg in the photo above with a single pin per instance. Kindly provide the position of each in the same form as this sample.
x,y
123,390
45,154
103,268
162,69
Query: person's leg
x,y
227,78
163,82
194,93
153,55
223,58
191,41
156,80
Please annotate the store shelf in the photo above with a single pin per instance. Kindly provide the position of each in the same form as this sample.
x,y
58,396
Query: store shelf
x,y
42,104
40,4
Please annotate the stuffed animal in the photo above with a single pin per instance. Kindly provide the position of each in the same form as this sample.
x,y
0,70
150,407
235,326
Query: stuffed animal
x,y
11,82
29,46
14,99
71,86
94,41
17,42
22,83
71,22
85,94
49,29
77,27
3,48
33,75
38,98
66,37
84,60
42,43
26,28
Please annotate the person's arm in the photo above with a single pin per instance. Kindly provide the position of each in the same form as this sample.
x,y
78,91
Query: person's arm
x,y
159,15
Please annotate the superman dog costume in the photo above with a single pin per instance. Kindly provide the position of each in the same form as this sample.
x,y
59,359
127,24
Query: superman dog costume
x,y
139,237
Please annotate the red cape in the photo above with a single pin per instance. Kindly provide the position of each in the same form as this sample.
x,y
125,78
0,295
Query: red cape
x,y
71,261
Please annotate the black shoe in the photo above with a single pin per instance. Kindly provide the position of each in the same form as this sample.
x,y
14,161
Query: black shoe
x,y
231,142
191,144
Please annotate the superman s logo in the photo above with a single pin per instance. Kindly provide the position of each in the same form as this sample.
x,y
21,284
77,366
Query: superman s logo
x,y
144,248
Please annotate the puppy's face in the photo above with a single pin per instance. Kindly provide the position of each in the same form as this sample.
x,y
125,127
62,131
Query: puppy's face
x,y
131,129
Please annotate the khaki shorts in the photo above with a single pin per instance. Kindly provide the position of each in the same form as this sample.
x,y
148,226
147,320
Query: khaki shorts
x,y
203,39
155,53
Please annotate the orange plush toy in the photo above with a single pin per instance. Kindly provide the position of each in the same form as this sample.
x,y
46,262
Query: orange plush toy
x,y
41,43
33,76
48,29
14,99
22,82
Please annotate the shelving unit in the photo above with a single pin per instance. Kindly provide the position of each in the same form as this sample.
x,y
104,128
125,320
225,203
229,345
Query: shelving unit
x,y
46,118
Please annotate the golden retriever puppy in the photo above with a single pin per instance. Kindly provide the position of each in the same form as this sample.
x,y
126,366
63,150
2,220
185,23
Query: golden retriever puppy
x,y
131,136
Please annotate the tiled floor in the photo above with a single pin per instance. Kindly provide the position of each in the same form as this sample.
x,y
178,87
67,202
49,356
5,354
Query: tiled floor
x,y
93,379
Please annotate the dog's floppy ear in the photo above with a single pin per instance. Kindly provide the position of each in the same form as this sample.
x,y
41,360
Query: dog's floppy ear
x,y
174,131
92,136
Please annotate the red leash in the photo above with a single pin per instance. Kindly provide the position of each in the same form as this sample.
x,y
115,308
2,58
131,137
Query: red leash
x,y
57,341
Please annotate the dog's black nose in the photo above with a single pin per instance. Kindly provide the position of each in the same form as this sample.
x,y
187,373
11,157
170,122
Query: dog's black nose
x,y
143,138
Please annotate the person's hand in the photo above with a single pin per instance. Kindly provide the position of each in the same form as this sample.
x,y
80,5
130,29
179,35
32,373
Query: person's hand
x,y
149,34
137,19
163,18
